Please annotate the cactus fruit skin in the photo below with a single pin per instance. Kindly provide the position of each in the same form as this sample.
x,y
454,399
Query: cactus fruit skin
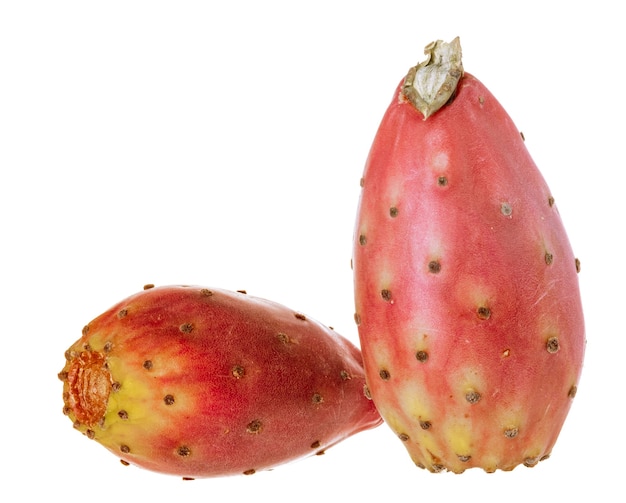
x,y
466,288
202,382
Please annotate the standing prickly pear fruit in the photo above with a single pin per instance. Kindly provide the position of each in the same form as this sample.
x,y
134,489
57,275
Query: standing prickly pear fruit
x,y
466,288
204,382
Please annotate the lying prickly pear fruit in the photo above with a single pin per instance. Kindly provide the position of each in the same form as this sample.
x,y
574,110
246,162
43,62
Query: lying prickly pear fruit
x,y
466,288
201,382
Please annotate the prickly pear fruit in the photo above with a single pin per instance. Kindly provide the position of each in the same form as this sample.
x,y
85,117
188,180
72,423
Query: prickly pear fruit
x,y
466,288
201,382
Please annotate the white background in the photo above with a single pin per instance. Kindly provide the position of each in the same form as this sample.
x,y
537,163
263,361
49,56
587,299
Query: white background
x,y
221,144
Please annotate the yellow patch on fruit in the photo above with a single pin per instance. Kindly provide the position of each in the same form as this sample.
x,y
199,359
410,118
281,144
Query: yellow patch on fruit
x,y
418,409
416,402
459,435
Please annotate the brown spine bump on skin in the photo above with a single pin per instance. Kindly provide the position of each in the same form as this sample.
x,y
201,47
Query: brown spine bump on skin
x,y
511,432
434,266
251,471
530,462
283,337
85,330
124,462
552,344
317,399
116,386
393,212
357,318
484,313
169,399
316,444
385,294
124,448
122,313
242,291
123,415
205,292
183,451
425,425
442,181
148,286
549,258
421,356
550,201
384,375
362,240
577,264
238,371
472,396
186,328
300,316
572,391
254,426
366,392
464,458
107,347
345,375
147,365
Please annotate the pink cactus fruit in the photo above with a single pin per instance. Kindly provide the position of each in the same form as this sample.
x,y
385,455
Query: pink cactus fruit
x,y
200,382
466,287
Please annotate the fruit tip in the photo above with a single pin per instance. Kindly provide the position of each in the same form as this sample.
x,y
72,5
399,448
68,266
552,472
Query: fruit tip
x,y
432,83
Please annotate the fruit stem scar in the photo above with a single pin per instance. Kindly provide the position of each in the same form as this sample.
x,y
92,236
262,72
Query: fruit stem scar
x,y
89,384
432,83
